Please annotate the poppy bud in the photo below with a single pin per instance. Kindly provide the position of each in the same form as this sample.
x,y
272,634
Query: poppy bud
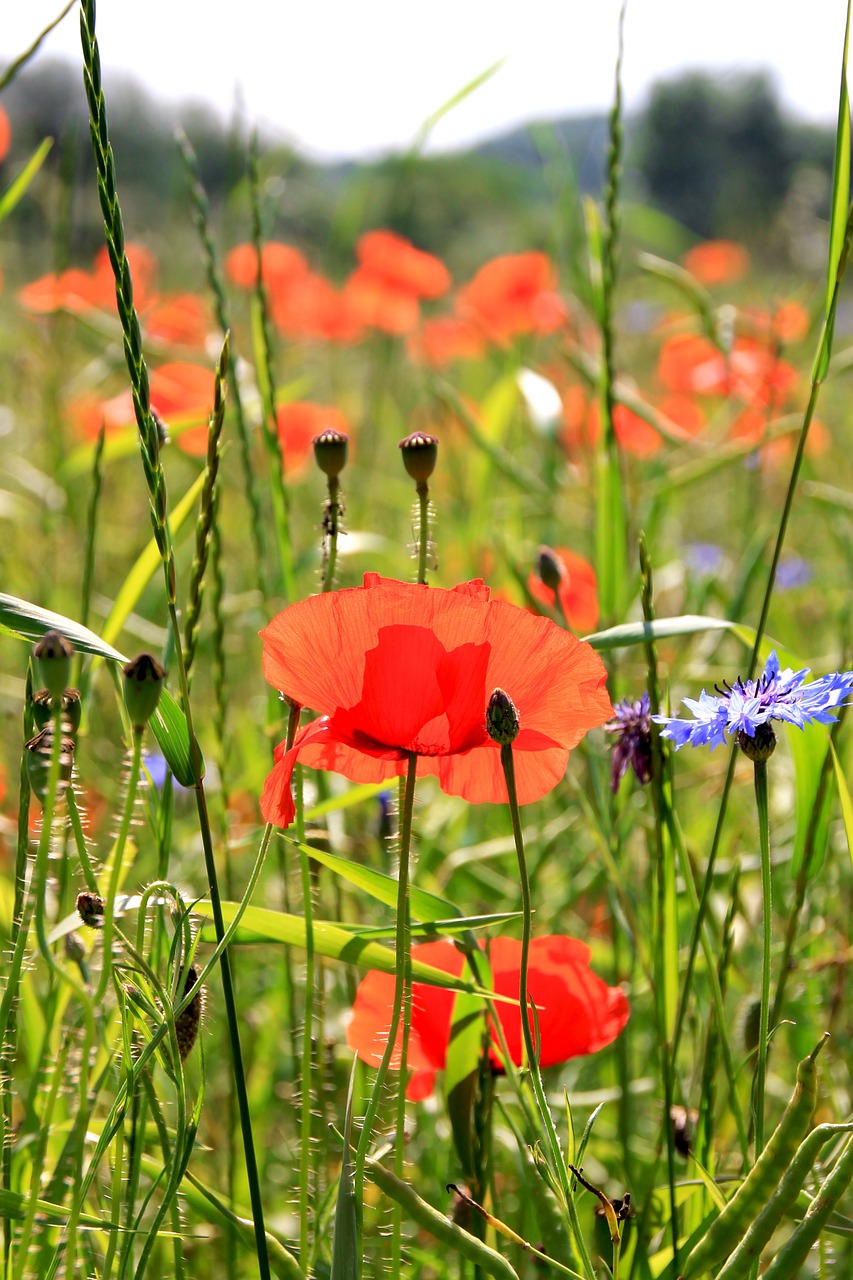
x,y
330,452
420,453
758,747
143,682
39,753
53,655
502,719
75,947
90,909
187,1024
550,568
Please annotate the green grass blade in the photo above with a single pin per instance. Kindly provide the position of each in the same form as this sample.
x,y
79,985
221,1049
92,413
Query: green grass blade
x,y
18,187
631,633
30,621
845,798
346,1262
839,207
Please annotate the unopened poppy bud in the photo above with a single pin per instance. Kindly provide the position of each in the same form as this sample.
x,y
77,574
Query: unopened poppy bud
x,y
330,452
53,654
420,454
90,909
39,754
187,1024
758,747
75,947
502,723
143,683
550,568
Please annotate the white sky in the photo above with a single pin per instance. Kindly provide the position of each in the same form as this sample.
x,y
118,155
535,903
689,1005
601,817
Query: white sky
x,y
353,77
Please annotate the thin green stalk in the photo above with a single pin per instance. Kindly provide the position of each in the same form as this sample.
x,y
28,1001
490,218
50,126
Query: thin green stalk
x,y
80,841
201,217
308,1019
92,527
402,942
400,1118
767,942
331,525
269,428
558,1163
117,859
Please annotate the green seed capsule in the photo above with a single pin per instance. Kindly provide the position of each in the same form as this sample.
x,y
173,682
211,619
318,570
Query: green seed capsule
x,y
726,1231
784,1198
797,1248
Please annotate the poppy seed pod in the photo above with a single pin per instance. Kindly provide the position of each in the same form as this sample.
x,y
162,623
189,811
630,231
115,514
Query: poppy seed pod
x,y
420,454
53,655
550,568
502,723
143,683
330,452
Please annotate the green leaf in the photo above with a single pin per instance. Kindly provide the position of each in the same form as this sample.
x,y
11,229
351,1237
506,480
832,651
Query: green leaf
x,y
424,906
348,798
147,565
630,633
462,1069
333,941
844,797
30,622
169,726
451,103
839,210
17,188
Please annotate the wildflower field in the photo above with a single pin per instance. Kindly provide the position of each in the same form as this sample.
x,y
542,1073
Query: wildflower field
x,y
425,825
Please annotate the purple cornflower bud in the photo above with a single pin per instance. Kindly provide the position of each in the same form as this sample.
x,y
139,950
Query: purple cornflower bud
x,y
747,706
633,725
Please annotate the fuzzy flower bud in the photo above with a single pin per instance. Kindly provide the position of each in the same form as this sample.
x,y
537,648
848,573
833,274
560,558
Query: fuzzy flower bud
x,y
53,655
758,747
187,1023
39,754
90,909
550,568
143,682
75,947
330,451
502,723
420,454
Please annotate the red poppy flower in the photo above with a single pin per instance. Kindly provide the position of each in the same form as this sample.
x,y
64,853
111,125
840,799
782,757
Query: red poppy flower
x,y
71,290
298,423
577,1013
395,668
578,590
181,319
753,372
400,265
513,294
178,390
717,261
445,339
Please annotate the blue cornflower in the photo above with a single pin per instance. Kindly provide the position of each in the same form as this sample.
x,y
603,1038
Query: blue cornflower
x,y
633,748
743,709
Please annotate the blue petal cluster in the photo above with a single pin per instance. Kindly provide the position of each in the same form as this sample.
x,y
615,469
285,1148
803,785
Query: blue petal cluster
x,y
744,706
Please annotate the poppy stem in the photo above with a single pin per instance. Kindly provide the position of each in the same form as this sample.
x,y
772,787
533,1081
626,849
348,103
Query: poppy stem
x,y
331,522
761,805
423,531
559,1164
402,943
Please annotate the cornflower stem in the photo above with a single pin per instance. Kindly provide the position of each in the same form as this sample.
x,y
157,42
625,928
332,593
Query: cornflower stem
x,y
761,805
423,530
118,857
402,943
545,1117
332,522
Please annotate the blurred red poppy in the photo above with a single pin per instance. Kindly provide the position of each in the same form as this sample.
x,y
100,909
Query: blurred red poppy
x,y
180,319
178,390
513,294
143,270
578,590
576,1012
445,339
753,372
379,304
71,290
396,668
298,423
281,264
398,263
717,261
5,134
311,308
582,423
